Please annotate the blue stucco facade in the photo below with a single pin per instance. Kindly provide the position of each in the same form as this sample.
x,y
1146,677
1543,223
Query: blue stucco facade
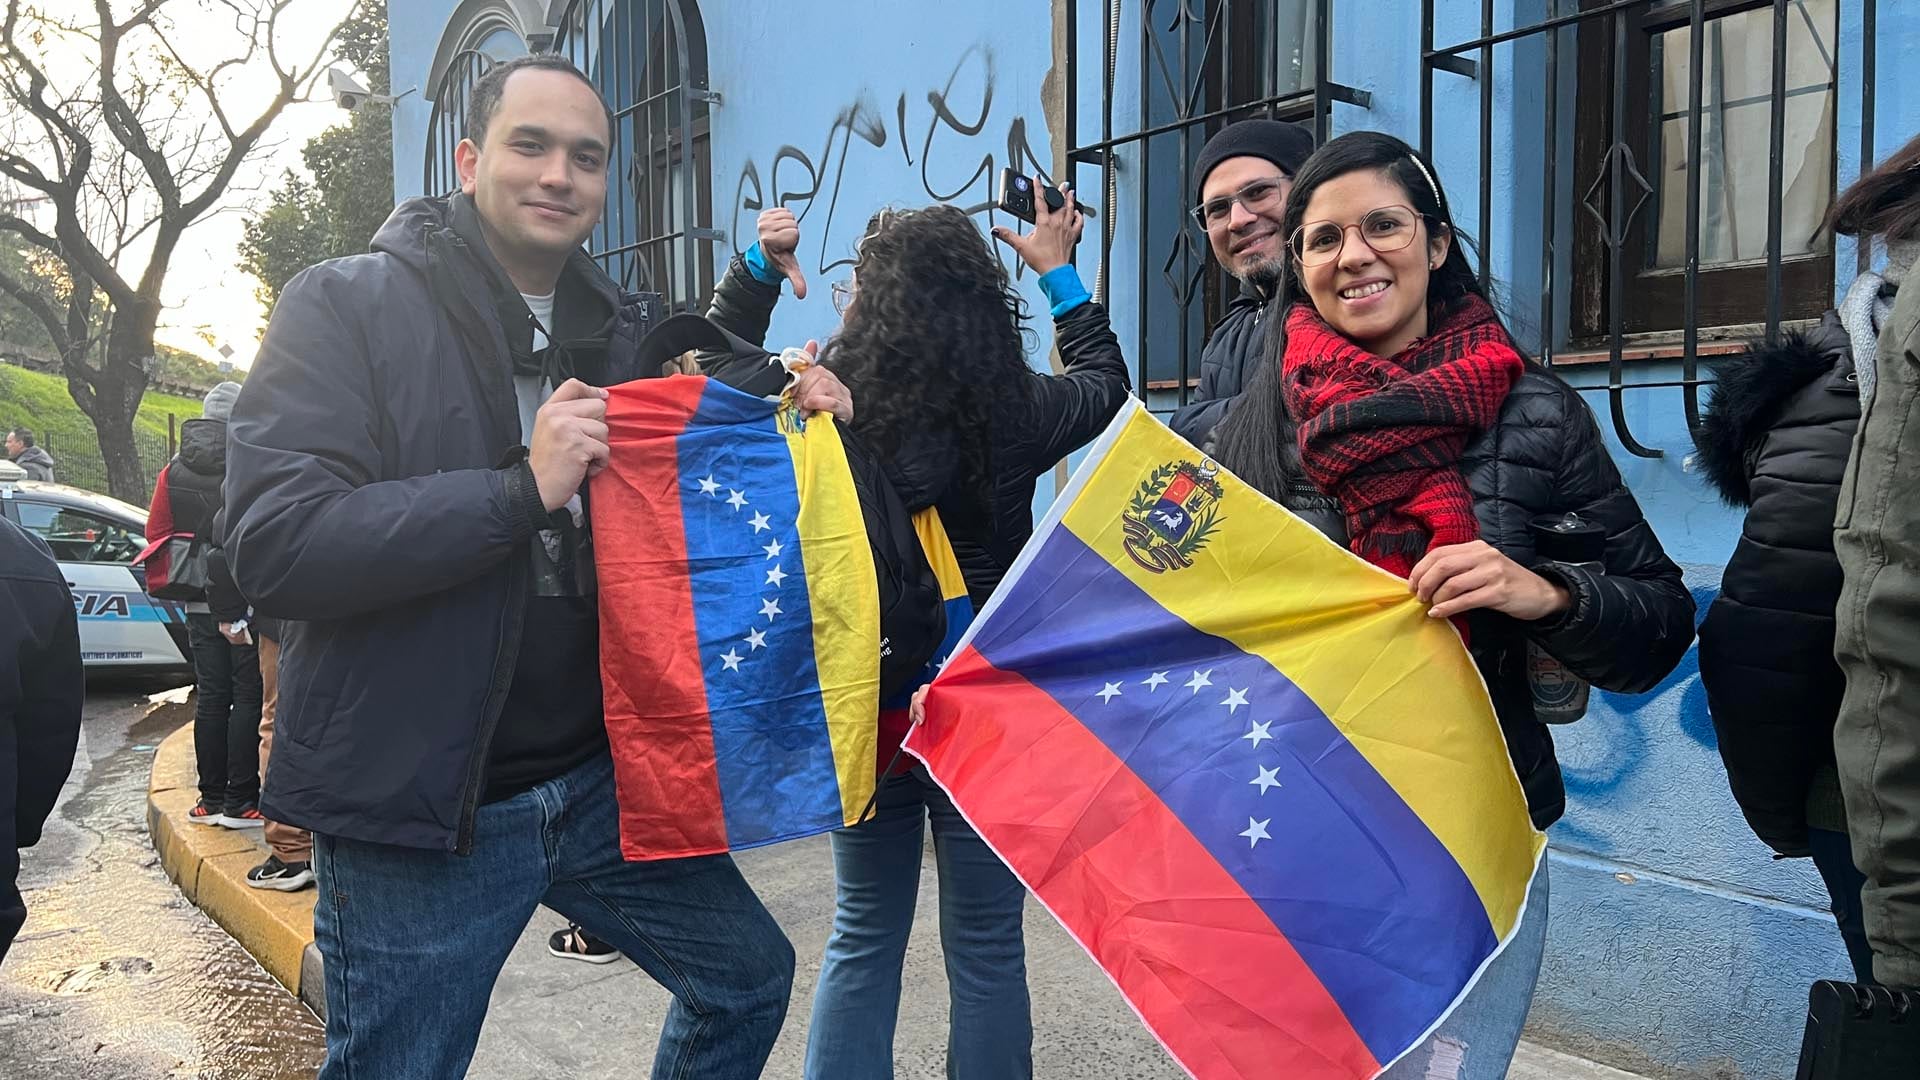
x,y
1678,946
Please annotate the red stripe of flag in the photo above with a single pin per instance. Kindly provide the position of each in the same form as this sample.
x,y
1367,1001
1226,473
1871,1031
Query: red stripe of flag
x,y
1208,971
664,772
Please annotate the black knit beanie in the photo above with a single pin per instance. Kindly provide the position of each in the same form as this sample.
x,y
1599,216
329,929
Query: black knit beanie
x,y
1286,145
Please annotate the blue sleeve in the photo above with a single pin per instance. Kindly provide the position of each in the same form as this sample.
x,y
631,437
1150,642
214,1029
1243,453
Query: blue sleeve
x,y
1064,289
756,261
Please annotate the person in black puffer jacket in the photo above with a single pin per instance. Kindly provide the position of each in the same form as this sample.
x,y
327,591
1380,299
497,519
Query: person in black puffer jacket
x,y
228,693
931,349
1399,418
1774,440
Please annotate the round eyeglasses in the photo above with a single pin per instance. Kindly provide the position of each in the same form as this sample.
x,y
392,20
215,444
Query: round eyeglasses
x,y
1390,228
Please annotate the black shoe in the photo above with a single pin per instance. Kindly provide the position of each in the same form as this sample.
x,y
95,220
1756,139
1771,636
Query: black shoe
x,y
574,943
280,876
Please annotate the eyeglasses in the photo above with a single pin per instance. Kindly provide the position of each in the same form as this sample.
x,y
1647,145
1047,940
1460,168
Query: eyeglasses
x,y
1389,228
1257,197
842,296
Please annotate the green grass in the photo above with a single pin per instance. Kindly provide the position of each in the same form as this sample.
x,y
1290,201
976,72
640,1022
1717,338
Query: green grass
x,y
41,402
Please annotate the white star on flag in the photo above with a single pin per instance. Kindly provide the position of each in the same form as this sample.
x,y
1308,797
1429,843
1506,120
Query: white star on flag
x,y
756,639
732,660
759,522
776,575
708,486
1256,831
1200,679
1259,732
735,499
1109,692
770,608
1235,699
1155,681
1268,778
772,549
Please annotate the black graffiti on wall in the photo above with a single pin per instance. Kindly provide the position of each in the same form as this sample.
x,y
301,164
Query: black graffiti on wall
x,y
961,147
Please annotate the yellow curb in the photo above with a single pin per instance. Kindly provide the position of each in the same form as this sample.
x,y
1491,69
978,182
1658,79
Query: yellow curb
x,y
210,865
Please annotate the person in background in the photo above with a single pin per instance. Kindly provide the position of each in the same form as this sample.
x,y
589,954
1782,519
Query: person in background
x,y
1396,415
1242,176
1774,440
226,663
288,866
931,347
42,691
1876,739
34,459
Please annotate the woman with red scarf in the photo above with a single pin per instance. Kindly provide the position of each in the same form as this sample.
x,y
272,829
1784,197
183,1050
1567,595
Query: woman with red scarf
x,y
1396,414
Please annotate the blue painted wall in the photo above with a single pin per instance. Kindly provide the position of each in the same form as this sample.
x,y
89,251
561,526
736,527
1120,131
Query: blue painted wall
x,y
1678,946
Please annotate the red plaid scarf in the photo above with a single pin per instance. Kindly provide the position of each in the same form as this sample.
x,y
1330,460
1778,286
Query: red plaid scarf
x,y
1385,436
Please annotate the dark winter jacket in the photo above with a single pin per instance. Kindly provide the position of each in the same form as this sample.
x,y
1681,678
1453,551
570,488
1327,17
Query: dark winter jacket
x,y
1627,626
1775,439
42,689
37,462
1227,365
190,490
1042,421
380,491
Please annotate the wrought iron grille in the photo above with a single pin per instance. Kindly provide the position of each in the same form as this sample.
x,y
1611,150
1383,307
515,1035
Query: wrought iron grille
x,y
649,59
448,122
1200,65
1612,200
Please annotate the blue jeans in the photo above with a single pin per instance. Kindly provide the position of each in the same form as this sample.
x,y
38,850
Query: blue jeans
x,y
413,940
1833,857
1477,1042
877,871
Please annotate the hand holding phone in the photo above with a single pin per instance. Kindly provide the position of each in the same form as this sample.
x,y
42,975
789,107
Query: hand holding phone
x,y
1020,195
1049,245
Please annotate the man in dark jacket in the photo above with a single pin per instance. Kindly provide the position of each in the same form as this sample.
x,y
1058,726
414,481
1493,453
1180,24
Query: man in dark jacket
x,y
405,473
1243,176
34,459
42,689
1775,439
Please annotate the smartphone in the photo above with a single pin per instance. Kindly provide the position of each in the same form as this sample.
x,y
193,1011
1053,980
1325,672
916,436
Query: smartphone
x,y
1017,193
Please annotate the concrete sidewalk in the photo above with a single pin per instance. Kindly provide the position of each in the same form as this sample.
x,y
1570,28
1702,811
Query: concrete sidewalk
x,y
552,1017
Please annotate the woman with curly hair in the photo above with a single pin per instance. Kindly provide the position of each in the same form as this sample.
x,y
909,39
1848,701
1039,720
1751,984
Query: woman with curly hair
x,y
931,348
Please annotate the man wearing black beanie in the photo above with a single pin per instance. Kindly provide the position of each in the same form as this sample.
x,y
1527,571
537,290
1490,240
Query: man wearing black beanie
x,y
1242,179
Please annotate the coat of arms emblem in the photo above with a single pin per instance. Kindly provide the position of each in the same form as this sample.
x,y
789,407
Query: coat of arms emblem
x,y
1171,515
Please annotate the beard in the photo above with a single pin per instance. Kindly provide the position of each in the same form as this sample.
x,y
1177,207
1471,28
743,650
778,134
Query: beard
x,y
1264,274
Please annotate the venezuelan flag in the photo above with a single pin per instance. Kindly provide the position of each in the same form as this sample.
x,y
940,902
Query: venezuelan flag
x,y
938,549
1258,784
739,621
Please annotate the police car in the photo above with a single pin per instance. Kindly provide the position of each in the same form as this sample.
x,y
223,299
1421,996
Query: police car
x,y
95,538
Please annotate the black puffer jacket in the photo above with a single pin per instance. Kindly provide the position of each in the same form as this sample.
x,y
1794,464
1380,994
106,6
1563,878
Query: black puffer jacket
x,y
193,481
1227,364
1626,628
1041,423
1775,439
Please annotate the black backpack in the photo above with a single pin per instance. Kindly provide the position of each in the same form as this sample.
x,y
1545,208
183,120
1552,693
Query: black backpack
x,y
913,616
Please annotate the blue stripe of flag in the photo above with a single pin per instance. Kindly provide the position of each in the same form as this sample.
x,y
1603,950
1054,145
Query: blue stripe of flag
x,y
1370,899
770,742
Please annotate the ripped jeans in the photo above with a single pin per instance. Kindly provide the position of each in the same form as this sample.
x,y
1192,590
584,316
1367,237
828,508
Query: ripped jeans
x,y
1478,1040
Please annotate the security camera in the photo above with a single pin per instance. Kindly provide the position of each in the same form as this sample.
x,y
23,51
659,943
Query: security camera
x,y
348,92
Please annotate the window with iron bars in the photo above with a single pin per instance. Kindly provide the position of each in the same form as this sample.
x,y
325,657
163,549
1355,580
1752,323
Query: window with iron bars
x,y
649,60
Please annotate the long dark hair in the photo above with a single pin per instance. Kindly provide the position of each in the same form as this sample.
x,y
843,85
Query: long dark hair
x,y
1252,440
933,336
1884,202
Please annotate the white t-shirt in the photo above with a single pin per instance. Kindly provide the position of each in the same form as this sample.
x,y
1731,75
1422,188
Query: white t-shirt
x,y
532,391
